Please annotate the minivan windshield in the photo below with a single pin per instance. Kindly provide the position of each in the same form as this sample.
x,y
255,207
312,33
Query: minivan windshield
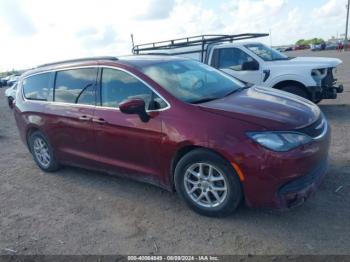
x,y
192,81
266,53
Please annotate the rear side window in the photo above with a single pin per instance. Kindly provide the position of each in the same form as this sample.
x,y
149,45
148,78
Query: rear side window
x,y
37,87
76,86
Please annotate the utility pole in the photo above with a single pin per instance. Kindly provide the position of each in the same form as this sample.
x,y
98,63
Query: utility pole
x,y
132,42
346,27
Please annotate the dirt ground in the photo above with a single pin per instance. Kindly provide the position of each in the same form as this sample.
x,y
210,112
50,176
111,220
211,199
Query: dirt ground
x,y
77,211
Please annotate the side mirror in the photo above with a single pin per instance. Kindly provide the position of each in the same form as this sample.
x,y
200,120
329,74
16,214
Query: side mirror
x,y
135,106
250,66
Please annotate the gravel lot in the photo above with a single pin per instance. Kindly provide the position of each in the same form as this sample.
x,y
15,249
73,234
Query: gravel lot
x,y
77,211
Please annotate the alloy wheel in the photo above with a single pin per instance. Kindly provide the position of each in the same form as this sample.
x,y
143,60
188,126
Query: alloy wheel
x,y
205,185
41,151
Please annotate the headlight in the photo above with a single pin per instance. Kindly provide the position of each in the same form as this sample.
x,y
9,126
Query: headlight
x,y
279,141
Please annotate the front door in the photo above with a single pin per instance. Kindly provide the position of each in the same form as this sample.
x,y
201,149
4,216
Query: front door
x,y
239,64
124,141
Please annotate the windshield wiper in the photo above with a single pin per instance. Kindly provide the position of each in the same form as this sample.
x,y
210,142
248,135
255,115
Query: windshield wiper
x,y
238,89
203,100
211,98
281,58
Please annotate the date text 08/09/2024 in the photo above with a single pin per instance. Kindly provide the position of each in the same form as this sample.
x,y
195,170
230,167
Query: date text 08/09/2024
x,y
173,258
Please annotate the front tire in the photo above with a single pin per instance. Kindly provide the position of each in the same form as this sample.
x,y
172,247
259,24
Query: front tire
x,y
208,183
296,90
42,152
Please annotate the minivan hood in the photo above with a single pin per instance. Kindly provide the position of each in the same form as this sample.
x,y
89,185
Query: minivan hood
x,y
269,108
314,62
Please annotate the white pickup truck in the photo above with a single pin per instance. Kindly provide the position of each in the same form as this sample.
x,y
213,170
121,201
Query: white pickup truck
x,y
255,63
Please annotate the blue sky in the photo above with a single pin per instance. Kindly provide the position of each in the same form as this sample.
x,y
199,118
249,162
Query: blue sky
x,y
40,31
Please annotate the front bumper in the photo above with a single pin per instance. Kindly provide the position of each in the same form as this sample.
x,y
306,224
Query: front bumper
x,y
295,192
284,179
328,88
325,92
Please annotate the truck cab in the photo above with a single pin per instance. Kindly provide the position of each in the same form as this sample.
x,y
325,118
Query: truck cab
x,y
256,63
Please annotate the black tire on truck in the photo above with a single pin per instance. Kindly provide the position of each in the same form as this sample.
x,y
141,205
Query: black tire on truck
x,y
296,90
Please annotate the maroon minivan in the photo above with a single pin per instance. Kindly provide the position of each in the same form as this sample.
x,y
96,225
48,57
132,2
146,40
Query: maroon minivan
x,y
178,124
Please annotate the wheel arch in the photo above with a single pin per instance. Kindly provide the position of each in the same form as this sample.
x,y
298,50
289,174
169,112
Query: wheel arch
x,y
184,150
295,83
276,78
281,84
30,130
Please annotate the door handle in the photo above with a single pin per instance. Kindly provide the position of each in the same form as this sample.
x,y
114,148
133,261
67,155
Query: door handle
x,y
99,120
84,118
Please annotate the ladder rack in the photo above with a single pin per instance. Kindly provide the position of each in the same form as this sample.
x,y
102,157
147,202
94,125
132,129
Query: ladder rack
x,y
203,41
193,41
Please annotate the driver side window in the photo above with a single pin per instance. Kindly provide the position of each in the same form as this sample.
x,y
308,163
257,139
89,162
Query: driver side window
x,y
236,59
117,86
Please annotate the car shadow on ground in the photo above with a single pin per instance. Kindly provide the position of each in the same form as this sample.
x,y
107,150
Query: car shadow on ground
x,y
336,112
119,187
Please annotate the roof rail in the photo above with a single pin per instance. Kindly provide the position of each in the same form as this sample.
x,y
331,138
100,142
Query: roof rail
x,y
80,60
193,41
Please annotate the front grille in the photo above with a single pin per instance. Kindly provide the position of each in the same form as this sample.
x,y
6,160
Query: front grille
x,y
304,181
316,128
329,80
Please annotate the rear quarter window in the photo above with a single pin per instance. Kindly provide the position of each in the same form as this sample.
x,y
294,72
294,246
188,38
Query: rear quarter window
x,y
37,87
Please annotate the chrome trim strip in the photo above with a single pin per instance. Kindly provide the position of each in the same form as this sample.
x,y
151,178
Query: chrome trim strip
x,y
325,130
60,103
60,69
320,125
96,106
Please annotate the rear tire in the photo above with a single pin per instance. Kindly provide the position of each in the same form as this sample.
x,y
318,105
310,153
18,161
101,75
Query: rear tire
x,y
296,90
10,101
208,183
42,152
